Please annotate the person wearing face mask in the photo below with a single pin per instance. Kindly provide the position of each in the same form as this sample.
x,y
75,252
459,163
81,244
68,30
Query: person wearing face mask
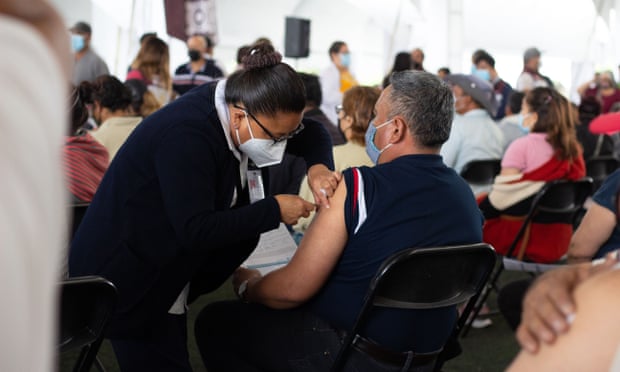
x,y
485,69
550,151
110,100
88,65
200,69
294,318
173,218
604,89
336,79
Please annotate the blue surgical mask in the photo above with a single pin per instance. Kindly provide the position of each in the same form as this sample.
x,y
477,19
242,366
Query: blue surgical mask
x,y
77,42
482,74
345,59
520,120
371,149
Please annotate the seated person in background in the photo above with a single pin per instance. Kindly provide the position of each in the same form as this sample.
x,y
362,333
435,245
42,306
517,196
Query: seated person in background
x,y
152,65
314,99
598,232
111,101
402,62
474,134
296,316
199,69
512,124
357,106
286,177
86,160
549,152
593,144
569,320
443,72
603,89
143,102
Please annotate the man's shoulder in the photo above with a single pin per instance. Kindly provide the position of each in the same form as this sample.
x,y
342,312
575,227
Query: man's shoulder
x,y
182,69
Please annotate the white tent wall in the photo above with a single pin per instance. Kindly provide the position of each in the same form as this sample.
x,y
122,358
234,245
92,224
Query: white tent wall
x,y
577,37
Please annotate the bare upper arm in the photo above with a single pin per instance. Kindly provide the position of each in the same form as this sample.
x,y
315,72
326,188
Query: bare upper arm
x,y
595,229
594,336
509,171
314,260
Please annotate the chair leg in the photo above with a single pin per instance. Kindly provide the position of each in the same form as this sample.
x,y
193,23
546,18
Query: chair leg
x,y
477,307
99,365
88,356
491,284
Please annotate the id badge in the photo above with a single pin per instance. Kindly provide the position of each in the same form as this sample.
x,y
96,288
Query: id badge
x,y
255,185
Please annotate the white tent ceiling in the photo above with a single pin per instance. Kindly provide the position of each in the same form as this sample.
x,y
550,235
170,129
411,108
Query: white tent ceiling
x,y
574,40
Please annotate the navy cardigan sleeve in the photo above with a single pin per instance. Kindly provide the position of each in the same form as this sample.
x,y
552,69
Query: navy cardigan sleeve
x,y
314,144
187,171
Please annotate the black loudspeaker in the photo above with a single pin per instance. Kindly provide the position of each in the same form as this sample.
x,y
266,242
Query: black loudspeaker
x,y
297,37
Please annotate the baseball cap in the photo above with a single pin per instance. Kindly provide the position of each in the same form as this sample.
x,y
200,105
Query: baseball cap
x,y
81,27
481,91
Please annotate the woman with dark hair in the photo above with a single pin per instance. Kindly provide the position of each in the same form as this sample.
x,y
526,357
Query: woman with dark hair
x,y
152,66
143,102
402,62
549,152
86,160
593,144
172,218
110,101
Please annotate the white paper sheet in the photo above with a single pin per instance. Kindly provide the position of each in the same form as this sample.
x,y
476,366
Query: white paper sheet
x,y
274,250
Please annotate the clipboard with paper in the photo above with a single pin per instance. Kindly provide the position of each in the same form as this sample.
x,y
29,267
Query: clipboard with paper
x,y
275,249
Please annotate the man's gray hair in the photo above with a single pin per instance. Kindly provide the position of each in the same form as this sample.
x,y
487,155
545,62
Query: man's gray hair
x,y
426,103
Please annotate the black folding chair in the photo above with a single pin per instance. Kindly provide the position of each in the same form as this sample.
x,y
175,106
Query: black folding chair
x,y
557,201
425,278
87,304
599,167
481,172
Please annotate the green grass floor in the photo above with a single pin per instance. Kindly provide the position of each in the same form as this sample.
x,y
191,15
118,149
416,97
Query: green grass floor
x,y
489,349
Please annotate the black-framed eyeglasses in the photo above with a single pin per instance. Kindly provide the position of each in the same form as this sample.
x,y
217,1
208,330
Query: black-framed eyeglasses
x,y
338,108
275,139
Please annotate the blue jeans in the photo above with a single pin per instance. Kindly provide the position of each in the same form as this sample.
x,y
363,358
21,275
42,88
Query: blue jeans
x,y
235,336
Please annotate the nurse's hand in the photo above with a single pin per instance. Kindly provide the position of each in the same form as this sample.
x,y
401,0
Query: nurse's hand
x,y
292,208
323,183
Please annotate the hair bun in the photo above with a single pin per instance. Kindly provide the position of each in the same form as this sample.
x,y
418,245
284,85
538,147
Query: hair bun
x,y
261,55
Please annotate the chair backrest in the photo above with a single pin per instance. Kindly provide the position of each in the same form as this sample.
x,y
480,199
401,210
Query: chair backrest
x,y
599,167
481,172
559,201
87,304
426,278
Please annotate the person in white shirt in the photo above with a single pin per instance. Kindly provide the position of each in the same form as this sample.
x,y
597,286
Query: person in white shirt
x,y
531,78
33,200
336,79
474,135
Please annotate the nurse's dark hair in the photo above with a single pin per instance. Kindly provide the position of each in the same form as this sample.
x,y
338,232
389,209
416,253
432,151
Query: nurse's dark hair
x,y
265,85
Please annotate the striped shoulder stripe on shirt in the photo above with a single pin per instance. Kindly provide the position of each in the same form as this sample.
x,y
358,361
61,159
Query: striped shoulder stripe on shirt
x,y
359,200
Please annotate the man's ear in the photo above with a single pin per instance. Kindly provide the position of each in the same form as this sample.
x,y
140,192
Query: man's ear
x,y
401,129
